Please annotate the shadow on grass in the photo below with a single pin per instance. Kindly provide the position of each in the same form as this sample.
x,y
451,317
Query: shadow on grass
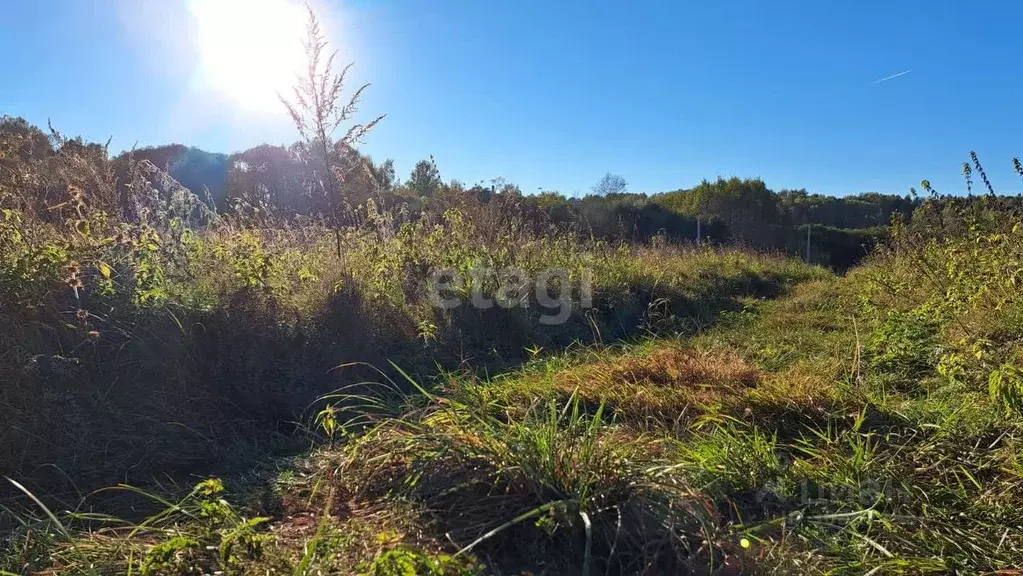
x,y
166,392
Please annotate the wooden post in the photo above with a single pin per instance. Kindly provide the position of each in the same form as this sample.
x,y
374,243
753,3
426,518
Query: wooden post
x,y
808,226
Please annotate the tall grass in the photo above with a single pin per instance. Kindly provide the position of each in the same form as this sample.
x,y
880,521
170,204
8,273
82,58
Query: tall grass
x,y
700,410
186,339
862,424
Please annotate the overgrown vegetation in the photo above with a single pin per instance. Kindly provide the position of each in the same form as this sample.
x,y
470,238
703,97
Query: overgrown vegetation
x,y
607,396
270,184
159,334
715,410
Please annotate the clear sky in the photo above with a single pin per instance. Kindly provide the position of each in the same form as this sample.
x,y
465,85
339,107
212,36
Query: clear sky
x,y
554,94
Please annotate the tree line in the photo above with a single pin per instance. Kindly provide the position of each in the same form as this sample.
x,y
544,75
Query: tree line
x,y
273,185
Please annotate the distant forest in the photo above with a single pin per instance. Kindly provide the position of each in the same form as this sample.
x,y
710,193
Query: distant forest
x,y
268,185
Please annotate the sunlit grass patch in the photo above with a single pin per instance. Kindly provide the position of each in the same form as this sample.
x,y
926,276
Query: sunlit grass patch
x,y
666,385
662,386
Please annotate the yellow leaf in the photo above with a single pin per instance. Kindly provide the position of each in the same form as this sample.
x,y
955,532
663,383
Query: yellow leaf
x,y
104,270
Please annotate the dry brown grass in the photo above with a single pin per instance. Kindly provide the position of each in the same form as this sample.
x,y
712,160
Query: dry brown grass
x,y
675,368
803,392
671,386
667,386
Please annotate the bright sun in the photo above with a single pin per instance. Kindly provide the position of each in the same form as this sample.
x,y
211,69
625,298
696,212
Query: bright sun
x,y
250,49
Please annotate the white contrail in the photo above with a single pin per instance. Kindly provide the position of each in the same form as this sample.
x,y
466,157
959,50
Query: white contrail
x,y
893,76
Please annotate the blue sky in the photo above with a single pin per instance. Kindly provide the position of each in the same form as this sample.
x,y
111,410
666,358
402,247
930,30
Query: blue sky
x,y
554,94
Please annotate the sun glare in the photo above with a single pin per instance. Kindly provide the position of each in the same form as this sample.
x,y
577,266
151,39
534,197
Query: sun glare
x,y
250,50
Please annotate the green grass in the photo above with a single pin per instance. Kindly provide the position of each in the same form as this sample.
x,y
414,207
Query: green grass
x,y
768,442
142,349
759,416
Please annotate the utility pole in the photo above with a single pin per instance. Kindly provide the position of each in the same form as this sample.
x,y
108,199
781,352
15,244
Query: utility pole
x,y
808,226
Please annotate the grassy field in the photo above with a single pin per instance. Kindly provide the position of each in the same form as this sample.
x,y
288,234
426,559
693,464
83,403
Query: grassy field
x,y
463,384
762,417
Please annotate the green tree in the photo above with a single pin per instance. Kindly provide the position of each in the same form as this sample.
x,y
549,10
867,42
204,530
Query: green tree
x,y
746,206
272,176
425,178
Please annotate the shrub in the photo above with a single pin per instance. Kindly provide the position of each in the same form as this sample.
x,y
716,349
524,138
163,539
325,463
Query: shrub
x,y
904,345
